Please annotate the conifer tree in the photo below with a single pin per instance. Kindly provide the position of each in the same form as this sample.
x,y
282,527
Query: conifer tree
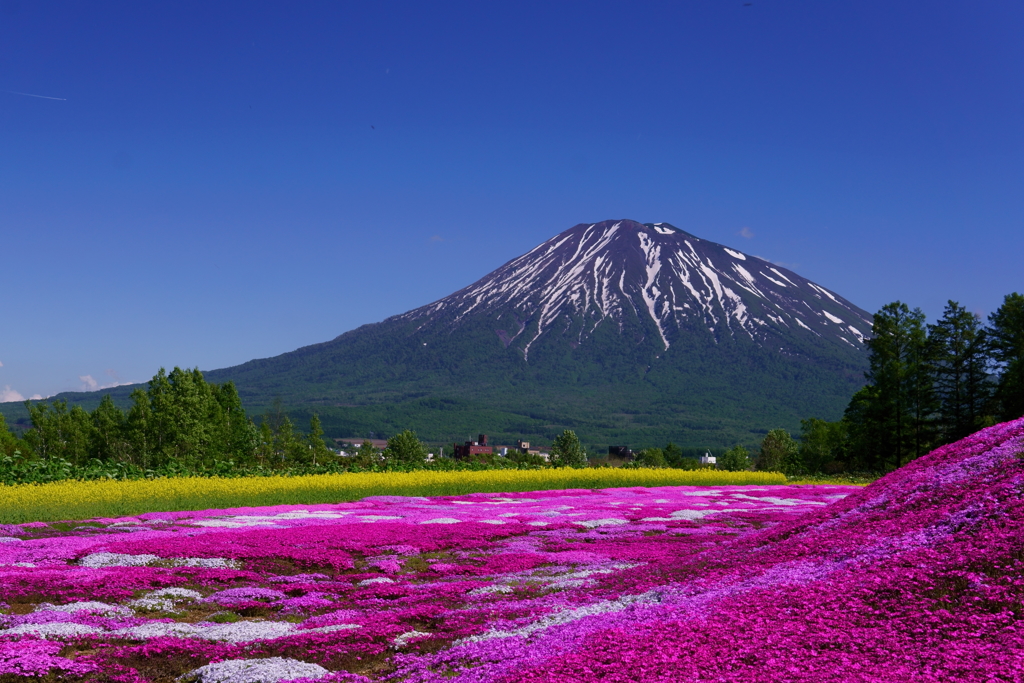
x,y
1006,342
957,352
318,451
900,374
863,418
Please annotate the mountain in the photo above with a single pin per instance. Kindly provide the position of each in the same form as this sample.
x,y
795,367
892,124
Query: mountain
x,y
650,280
629,333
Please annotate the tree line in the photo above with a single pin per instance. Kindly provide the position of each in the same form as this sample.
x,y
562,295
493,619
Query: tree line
x,y
180,424
927,385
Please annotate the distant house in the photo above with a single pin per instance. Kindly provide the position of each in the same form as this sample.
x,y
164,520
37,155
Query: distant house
x,y
524,447
708,459
471,448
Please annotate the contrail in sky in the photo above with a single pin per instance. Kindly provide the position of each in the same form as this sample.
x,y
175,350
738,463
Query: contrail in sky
x,y
44,97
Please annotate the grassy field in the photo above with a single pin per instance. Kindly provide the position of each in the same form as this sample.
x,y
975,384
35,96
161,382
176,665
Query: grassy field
x,y
75,500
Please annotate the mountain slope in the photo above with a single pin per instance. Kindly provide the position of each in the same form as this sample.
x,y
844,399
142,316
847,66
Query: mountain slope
x,y
624,331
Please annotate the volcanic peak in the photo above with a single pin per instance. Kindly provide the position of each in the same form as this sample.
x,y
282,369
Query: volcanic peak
x,y
654,275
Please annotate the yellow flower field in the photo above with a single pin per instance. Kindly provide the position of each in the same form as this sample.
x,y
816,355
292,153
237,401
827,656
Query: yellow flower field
x,y
75,500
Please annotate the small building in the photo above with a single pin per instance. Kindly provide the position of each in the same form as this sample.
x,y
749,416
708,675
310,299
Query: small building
x,y
524,447
708,459
471,448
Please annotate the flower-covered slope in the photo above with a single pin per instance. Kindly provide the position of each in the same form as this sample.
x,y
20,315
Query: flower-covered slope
x,y
919,577
353,587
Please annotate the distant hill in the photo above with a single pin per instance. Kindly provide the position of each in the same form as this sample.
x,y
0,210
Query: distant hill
x,y
626,332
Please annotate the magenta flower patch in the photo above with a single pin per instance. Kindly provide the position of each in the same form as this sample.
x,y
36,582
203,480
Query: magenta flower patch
x,y
915,578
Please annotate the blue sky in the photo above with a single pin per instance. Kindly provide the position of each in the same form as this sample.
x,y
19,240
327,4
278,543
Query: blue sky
x,y
225,181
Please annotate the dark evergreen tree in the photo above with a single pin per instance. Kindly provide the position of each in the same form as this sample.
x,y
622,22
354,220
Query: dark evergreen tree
x,y
903,396
1006,343
865,425
957,352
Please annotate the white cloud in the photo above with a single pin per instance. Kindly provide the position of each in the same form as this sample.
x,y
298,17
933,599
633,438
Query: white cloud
x,y
89,383
35,397
746,233
8,395
1,365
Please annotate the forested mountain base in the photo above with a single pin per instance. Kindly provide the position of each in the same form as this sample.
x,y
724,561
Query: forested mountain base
x,y
707,395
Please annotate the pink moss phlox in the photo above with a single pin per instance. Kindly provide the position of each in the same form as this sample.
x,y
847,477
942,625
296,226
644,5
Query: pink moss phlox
x,y
916,578
28,656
